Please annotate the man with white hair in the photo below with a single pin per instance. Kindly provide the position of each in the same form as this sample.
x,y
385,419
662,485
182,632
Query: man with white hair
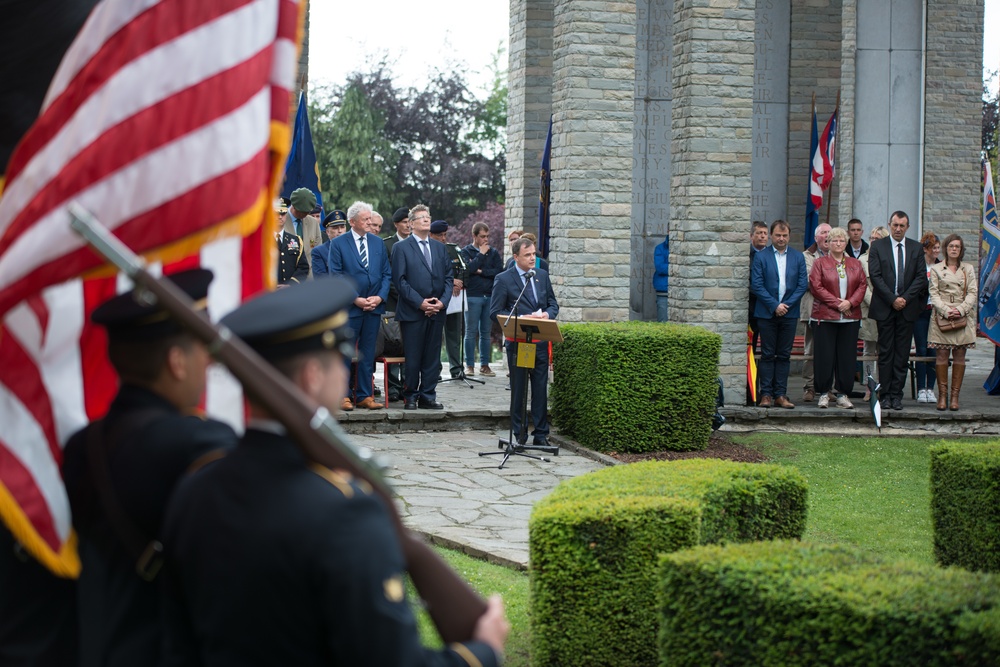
x,y
361,256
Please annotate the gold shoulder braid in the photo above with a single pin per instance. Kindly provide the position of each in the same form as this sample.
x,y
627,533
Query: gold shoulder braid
x,y
338,478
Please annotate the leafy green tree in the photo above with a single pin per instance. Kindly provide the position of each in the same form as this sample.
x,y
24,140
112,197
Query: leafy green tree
x,y
991,122
356,159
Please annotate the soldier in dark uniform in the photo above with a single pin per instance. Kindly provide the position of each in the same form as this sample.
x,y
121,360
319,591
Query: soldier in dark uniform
x,y
120,472
293,261
276,560
453,322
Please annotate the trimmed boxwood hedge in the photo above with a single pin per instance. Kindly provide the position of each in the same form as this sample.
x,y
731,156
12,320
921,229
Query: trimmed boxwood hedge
x,y
636,386
788,603
594,543
965,504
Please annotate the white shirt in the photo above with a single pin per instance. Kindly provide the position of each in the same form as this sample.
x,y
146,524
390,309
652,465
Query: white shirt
x,y
782,259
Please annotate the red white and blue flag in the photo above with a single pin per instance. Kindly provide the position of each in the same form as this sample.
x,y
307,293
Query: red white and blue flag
x,y
822,167
169,120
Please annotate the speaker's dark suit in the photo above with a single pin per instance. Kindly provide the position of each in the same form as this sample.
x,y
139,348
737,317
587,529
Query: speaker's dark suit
x,y
506,288
415,281
344,259
895,327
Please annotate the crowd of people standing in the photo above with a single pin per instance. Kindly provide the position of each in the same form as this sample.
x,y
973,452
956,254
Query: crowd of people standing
x,y
891,293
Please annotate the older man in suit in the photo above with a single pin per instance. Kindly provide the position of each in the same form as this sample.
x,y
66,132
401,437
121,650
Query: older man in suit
x,y
779,280
421,271
538,301
898,274
361,256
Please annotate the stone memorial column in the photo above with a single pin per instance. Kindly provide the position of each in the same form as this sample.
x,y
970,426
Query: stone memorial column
x,y
769,163
593,79
713,74
529,103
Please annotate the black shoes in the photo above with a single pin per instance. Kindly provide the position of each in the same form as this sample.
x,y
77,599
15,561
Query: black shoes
x,y
540,441
409,405
429,405
897,404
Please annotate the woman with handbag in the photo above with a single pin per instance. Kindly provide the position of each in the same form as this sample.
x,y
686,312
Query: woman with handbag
x,y
837,282
954,290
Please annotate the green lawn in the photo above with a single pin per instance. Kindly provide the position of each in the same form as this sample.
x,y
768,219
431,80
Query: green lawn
x,y
871,492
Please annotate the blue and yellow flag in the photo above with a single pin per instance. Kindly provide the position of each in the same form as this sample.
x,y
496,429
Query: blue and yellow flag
x,y
301,169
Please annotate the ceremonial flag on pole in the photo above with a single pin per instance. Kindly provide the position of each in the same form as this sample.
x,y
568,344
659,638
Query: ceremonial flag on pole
x,y
302,169
813,203
822,166
989,275
751,366
169,120
543,198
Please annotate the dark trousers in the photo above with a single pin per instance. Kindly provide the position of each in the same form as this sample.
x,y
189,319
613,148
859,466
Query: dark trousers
x,y
835,350
539,378
777,334
453,341
422,349
925,371
365,327
894,336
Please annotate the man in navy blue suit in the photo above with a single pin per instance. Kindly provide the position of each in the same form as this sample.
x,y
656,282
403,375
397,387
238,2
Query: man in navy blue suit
x,y
778,279
335,224
422,274
538,301
361,256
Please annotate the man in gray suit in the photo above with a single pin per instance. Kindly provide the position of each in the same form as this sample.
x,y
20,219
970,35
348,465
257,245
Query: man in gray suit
x,y
898,275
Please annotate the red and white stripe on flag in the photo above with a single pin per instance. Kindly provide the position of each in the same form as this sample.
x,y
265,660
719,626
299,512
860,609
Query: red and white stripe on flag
x,y
824,162
169,120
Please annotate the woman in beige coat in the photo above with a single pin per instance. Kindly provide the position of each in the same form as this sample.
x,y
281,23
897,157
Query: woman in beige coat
x,y
953,289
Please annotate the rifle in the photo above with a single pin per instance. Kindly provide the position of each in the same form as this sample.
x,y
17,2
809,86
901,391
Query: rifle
x,y
452,604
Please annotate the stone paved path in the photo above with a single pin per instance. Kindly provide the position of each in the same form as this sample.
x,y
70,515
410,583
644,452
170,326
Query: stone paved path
x,y
457,498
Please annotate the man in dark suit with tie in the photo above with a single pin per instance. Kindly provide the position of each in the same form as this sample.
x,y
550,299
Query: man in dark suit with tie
x,y
361,256
538,301
898,274
421,272
758,241
778,279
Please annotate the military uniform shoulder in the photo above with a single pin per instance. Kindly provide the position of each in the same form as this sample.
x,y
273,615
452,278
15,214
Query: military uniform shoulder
x,y
342,481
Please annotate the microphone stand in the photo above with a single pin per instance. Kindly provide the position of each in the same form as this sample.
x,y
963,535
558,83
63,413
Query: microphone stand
x,y
510,446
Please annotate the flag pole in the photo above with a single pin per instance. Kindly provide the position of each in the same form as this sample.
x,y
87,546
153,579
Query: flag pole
x,y
829,198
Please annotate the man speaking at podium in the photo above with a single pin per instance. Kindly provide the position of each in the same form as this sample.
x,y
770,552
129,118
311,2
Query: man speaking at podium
x,y
538,301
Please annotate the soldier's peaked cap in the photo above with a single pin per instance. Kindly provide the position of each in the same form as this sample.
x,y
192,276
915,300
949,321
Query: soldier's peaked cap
x,y
126,317
303,317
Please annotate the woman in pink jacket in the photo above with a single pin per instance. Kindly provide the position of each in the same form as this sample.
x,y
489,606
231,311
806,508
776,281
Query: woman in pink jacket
x,y
837,282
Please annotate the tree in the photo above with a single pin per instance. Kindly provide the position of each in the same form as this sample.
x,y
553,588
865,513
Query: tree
x,y
357,161
991,122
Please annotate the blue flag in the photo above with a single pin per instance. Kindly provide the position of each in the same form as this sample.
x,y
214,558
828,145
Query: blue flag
x,y
812,208
543,198
989,275
301,169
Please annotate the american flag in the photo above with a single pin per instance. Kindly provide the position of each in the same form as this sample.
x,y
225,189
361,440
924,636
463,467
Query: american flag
x,y
169,120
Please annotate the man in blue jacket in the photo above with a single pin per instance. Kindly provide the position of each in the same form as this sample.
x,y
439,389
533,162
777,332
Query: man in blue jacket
x,y
361,256
778,279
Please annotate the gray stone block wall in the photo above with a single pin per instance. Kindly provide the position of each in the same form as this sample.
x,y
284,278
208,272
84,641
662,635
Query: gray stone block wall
x,y
844,190
712,71
593,77
953,130
529,101
814,68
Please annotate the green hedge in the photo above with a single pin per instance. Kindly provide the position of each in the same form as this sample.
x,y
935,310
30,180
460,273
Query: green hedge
x,y
965,504
787,604
594,543
636,386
